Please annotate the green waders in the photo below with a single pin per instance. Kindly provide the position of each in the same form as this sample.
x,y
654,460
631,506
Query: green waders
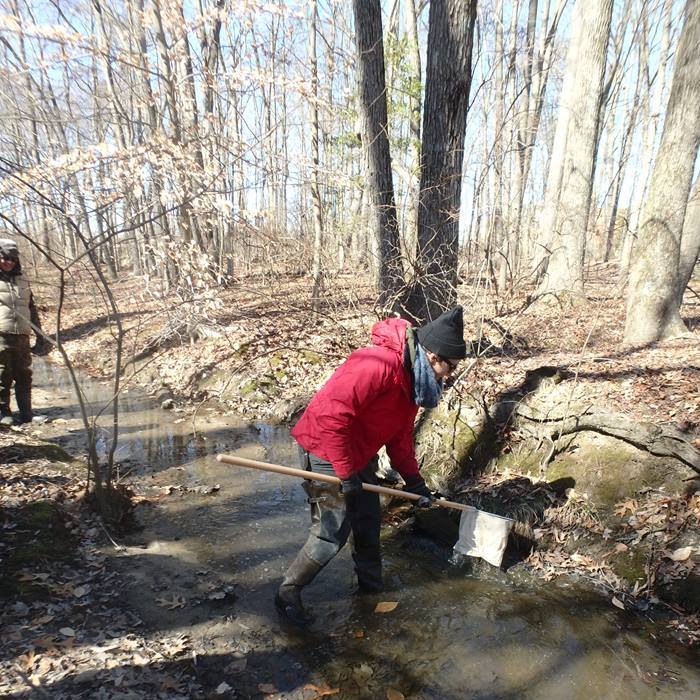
x,y
333,518
15,367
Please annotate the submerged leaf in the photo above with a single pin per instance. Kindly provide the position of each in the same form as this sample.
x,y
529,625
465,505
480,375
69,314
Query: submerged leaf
x,y
320,691
392,694
386,606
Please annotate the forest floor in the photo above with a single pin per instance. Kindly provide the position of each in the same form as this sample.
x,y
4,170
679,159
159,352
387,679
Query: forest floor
x,y
258,341
255,349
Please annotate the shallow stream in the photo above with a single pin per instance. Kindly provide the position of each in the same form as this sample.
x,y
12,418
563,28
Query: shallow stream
x,y
450,635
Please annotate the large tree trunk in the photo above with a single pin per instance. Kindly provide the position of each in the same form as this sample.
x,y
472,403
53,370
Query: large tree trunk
x,y
372,90
652,300
652,110
690,241
448,79
414,105
591,28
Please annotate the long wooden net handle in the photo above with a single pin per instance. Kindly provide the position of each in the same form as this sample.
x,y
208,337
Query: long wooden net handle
x,y
314,476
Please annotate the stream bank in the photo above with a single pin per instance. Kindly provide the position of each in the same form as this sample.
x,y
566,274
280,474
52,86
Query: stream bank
x,y
183,608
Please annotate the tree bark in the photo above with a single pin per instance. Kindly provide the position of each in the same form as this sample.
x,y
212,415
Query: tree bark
x,y
448,80
316,270
653,311
372,91
651,125
690,242
591,24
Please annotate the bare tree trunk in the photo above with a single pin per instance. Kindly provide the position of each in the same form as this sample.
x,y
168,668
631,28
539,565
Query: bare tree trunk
x,y
414,103
650,127
620,175
653,296
448,80
316,269
591,24
372,90
690,242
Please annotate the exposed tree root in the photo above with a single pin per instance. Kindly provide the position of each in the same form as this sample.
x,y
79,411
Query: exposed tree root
x,y
657,440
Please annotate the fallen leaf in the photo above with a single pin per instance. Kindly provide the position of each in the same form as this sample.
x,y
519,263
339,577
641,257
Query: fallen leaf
x,y
80,591
42,620
43,642
618,603
358,634
392,694
681,554
45,665
621,547
178,645
386,606
67,631
26,661
224,688
267,688
34,577
320,691
177,601
237,666
170,683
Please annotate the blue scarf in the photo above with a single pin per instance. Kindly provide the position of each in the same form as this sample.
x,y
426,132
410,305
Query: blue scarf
x,y
427,390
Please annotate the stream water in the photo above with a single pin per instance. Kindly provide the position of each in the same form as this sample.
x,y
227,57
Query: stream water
x,y
450,636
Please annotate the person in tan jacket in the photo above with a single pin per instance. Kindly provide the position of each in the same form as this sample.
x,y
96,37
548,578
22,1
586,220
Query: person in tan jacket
x,y
18,313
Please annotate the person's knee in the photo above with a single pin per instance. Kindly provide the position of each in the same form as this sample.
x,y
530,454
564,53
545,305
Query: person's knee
x,y
322,551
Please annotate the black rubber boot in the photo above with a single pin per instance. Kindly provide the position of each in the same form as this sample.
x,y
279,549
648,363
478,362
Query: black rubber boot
x,y
288,599
369,576
5,383
23,394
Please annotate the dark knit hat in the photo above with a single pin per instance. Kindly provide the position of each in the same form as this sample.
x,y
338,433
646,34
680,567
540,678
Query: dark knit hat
x,y
9,249
445,335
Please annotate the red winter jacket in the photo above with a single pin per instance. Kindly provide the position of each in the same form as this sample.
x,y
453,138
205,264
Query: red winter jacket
x,y
365,404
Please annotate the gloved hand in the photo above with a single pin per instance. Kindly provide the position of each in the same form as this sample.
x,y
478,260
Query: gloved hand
x,y
417,486
351,486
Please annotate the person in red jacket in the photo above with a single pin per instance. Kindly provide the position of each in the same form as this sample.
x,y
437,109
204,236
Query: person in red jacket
x,y
370,401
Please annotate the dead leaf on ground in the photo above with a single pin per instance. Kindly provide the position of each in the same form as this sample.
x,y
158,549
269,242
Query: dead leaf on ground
x,y
177,601
26,661
267,688
170,683
392,694
44,642
618,603
681,554
629,505
386,606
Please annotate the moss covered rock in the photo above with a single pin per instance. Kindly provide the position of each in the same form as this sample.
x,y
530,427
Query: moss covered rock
x,y
453,441
609,470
